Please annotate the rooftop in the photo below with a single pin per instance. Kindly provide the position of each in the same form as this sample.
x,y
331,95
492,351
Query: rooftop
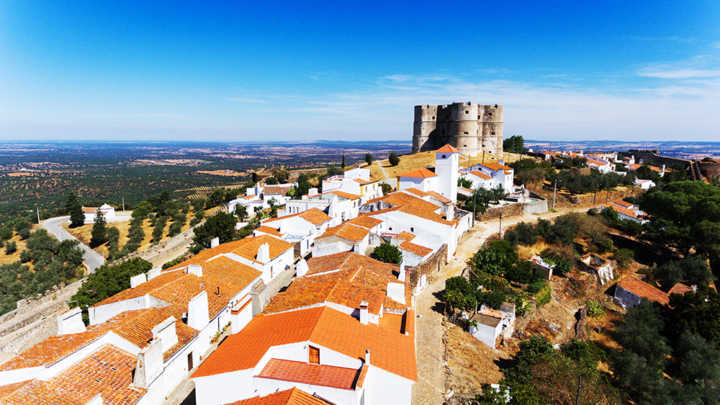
x,y
346,231
418,174
293,396
323,326
313,215
447,149
644,290
313,374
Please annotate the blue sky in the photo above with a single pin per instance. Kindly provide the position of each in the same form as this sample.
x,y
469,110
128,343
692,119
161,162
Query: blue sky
x,y
236,71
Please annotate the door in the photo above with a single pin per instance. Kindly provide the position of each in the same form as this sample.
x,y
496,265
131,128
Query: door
x,y
190,361
314,355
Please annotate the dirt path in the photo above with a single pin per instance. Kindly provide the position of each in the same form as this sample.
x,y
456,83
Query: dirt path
x,y
430,342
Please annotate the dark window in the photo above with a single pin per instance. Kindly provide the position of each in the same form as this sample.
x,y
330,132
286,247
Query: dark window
x,y
412,229
190,361
467,112
314,355
465,132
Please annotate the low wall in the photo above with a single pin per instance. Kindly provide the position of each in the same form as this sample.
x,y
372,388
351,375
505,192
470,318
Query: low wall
x,y
510,210
429,268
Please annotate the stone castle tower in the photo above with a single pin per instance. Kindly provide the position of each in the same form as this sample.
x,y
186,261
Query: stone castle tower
x,y
470,127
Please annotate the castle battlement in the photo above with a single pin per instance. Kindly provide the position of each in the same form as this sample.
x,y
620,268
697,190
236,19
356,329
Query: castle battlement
x,y
472,128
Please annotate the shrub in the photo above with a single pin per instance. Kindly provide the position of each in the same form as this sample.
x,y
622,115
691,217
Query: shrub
x,y
387,253
595,309
623,257
543,296
393,159
10,247
386,188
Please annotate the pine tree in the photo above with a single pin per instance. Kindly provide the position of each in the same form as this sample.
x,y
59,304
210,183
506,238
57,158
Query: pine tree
x,y
99,231
393,159
368,158
73,207
342,163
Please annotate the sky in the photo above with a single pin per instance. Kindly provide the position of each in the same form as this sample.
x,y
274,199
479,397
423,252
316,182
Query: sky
x,y
302,71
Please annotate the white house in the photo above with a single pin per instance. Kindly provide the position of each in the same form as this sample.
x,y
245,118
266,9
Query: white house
x,y
601,267
413,253
342,206
628,211
252,203
106,210
141,343
421,179
301,228
342,332
489,324
498,173
345,237
644,184
601,165
355,181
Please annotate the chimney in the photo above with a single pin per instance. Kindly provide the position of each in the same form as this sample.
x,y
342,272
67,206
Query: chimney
x,y
401,276
364,313
301,268
367,357
149,364
165,333
313,191
137,280
70,322
198,316
263,253
502,162
195,269
215,242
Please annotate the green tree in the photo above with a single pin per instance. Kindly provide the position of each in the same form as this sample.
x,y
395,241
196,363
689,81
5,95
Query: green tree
x,y
10,247
386,188
241,212
393,159
463,182
368,158
387,253
74,209
221,225
99,231
495,259
6,232
514,144
342,162
303,185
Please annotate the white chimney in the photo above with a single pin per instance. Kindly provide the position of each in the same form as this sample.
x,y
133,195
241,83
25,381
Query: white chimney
x,y
198,313
165,333
367,356
137,280
214,242
401,276
364,313
263,253
149,364
301,268
195,269
71,322
313,191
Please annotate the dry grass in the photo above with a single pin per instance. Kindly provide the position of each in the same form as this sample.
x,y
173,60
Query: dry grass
x,y
470,362
84,233
12,258
527,252
382,169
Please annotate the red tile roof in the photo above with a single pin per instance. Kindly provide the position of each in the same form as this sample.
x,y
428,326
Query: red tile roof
x,y
365,222
412,205
276,190
644,290
108,372
313,374
447,149
418,174
293,396
347,261
680,288
478,173
495,166
433,194
343,194
313,215
323,326
269,231
346,231
414,248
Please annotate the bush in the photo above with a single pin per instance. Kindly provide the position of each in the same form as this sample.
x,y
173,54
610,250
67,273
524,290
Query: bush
x,y
387,253
368,158
393,159
595,309
6,233
495,259
386,188
10,247
623,257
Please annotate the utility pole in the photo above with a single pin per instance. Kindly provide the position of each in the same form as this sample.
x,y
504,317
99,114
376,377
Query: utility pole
x,y
500,230
554,193
123,203
37,211
577,396
474,206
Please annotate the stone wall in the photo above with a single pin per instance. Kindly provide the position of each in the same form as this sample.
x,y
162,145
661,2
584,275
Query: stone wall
x,y
429,268
509,210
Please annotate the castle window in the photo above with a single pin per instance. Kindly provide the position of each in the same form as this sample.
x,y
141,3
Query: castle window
x,y
464,146
433,117
467,112
465,132
442,157
493,133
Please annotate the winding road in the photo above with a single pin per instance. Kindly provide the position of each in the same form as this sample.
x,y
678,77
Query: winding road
x,y
54,226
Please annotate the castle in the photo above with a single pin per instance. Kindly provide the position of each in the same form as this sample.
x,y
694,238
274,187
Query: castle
x,y
472,128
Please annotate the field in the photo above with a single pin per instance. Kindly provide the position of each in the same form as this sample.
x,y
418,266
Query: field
x,y
382,169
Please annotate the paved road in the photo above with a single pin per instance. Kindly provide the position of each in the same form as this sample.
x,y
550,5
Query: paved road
x,y
92,259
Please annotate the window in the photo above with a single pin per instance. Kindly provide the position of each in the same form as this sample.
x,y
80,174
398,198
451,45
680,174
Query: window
x,y
493,133
466,132
442,156
464,146
467,112
190,361
412,229
314,355
433,117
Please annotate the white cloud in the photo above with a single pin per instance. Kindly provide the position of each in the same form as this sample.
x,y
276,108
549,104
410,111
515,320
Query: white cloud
x,y
680,73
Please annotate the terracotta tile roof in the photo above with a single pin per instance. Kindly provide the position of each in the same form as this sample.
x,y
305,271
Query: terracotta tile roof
x,y
412,205
347,261
89,210
467,190
625,211
596,162
433,194
361,378
293,396
276,190
495,166
269,231
418,174
405,235
322,326
622,203
313,215
447,149
680,288
345,195
108,372
478,173
414,248
365,222
371,180
248,247
644,290
346,231
313,374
